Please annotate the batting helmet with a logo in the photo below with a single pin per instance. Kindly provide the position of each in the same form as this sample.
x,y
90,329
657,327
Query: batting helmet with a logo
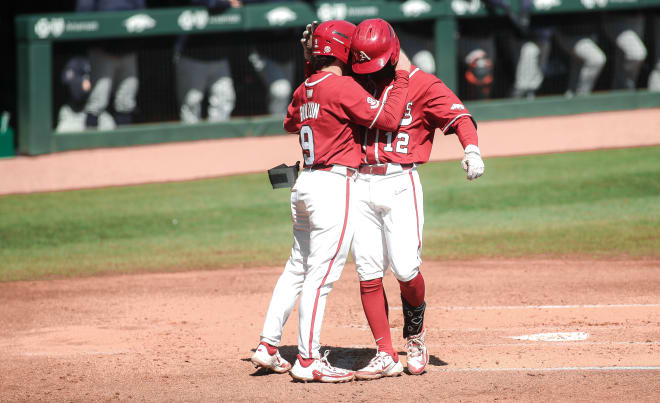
x,y
374,45
333,38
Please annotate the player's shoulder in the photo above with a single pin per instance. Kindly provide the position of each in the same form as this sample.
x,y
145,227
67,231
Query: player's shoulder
x,y
339,84
428,83
346,82
421,77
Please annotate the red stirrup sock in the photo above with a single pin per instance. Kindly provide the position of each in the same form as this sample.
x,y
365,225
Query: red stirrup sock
x,y
374,304
271,349
413,290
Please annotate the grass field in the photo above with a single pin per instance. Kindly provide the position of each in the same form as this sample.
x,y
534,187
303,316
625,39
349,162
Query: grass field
x,y
599,203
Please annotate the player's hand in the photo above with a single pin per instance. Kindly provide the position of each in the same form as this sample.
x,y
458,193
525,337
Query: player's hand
x,y
306,40
403,63
472,162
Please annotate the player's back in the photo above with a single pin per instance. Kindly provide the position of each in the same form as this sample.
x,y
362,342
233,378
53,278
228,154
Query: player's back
x,y
318,113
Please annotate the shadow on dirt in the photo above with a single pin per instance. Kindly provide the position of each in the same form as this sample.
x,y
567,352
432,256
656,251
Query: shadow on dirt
x,y
343,357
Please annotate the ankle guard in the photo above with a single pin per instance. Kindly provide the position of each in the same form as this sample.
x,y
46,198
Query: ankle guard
x,y
413,318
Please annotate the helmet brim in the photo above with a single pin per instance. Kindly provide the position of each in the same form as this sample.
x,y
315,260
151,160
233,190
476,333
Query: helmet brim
x,y
369,67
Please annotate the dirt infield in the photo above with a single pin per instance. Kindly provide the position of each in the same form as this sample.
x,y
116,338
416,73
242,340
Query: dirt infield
x,y
188,336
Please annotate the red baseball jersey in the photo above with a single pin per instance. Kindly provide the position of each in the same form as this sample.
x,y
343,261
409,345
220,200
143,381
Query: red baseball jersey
x,y
330,111
430,105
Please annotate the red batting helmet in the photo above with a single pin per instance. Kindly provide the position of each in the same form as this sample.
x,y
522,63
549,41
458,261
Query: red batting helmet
x,y
333,38
374,44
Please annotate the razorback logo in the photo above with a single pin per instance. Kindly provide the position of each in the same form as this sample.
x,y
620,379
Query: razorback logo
x,y
363,57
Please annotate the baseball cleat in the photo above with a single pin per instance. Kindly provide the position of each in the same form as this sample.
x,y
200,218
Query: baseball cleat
x,y
381,365
418,355
263,359
320,370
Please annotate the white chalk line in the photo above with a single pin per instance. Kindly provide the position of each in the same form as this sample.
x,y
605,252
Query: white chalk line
x,y
501,329
511,307
545,344
551,369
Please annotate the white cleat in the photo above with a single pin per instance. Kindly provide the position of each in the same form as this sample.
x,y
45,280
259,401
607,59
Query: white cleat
x,y
320,370
274,362
381,365
418,355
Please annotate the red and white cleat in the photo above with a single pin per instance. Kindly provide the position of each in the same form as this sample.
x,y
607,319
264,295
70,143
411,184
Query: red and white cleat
x,y
381,365
418,355
262,358
320,370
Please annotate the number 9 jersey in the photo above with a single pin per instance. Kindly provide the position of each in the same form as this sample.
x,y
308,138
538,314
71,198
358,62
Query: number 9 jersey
x,y
329,112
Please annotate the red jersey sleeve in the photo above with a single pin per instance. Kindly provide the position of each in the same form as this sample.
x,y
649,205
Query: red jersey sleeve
x,y
447,112
292,116
444,109
384,113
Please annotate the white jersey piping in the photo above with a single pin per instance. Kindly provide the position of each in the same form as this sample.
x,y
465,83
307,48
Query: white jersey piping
x,y
444,129
317,81
382,105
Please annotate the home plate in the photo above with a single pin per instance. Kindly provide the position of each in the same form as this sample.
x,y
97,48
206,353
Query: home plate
x,y
562,336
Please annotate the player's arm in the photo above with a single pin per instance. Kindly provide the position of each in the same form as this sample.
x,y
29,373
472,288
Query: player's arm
x,y
292,119
385,113
446,112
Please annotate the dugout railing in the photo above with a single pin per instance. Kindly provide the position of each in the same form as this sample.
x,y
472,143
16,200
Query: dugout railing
x,y
38,35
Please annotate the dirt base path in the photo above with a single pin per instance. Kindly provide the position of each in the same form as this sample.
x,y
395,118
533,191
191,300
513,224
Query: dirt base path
x,y
189,336
211,158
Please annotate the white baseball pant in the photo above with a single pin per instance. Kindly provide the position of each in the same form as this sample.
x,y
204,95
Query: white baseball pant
x,y
389,219
321,211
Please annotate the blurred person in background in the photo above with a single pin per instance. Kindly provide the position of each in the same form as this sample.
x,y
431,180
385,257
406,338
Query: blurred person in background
x,y
477,57
114,68
200,69
654,76
534,44
418,40
624,32
76,79
577,36
275,68
203,71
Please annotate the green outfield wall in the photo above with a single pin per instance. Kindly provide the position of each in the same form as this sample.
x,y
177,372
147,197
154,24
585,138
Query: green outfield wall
x,y
36,35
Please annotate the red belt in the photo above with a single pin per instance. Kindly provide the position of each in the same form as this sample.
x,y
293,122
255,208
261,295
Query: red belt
x,y
379,169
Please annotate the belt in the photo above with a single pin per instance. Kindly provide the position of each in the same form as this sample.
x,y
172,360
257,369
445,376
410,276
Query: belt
x,y
338,169
382,169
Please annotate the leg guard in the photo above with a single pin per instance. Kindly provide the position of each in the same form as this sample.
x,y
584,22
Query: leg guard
x,y
413,318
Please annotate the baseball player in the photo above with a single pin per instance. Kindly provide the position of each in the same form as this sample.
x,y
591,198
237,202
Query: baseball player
x,y
389,208
327,111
